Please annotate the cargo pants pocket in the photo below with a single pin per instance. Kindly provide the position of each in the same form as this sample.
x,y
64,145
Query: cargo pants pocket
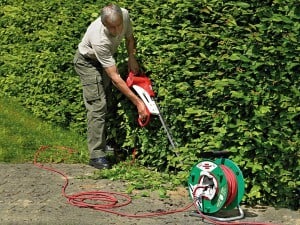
x,y
91,86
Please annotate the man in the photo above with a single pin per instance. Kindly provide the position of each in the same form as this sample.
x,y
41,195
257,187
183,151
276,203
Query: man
x,y
95,63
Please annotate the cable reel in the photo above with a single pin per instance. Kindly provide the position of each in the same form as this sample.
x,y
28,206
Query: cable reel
x,y
216,185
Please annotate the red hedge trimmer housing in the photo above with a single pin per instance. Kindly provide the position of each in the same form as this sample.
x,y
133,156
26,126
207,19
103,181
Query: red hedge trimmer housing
x,y
143,87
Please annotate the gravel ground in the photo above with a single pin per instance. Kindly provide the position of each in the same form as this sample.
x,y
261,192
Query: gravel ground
x,y
30,195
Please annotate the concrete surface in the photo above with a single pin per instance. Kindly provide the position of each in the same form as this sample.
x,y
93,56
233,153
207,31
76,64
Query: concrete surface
x,y
30,195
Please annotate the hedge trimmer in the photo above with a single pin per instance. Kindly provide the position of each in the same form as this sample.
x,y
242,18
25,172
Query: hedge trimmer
x,y
143,87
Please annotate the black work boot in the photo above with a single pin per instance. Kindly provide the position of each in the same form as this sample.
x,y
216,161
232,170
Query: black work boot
x,y
100,163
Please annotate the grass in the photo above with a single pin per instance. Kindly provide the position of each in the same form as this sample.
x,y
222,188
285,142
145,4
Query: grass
x,y
22,135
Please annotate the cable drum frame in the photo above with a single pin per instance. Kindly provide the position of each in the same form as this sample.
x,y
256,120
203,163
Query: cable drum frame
x,y
209,188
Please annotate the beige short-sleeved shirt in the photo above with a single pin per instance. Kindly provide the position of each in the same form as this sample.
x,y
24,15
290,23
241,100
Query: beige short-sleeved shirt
x,y
98,44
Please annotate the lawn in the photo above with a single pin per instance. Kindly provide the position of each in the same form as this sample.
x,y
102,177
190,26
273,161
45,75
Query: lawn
x,y
22,134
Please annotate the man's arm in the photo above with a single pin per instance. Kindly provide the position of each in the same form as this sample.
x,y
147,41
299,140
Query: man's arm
x,y
119,83
132,63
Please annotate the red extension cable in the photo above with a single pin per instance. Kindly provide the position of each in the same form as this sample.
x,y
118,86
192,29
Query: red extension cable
x,y
232,184
109,200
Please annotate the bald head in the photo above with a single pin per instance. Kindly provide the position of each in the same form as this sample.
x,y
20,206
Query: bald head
x,y
111,14
112,19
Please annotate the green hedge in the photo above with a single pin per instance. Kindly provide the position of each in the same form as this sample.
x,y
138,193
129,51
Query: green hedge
x,y
226,74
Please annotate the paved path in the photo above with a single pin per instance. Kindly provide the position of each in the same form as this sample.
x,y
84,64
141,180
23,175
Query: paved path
x,y
29,195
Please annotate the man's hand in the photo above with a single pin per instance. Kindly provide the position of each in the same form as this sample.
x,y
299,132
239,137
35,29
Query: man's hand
x,y
142,111
133,65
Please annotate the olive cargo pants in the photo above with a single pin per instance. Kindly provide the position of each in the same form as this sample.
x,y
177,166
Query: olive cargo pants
x,y
96,87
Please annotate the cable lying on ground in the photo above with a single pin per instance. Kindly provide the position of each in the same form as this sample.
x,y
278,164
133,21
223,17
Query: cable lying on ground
x,y
108,201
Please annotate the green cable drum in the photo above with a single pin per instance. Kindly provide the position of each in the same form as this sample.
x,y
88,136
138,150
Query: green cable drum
x,y
208,185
